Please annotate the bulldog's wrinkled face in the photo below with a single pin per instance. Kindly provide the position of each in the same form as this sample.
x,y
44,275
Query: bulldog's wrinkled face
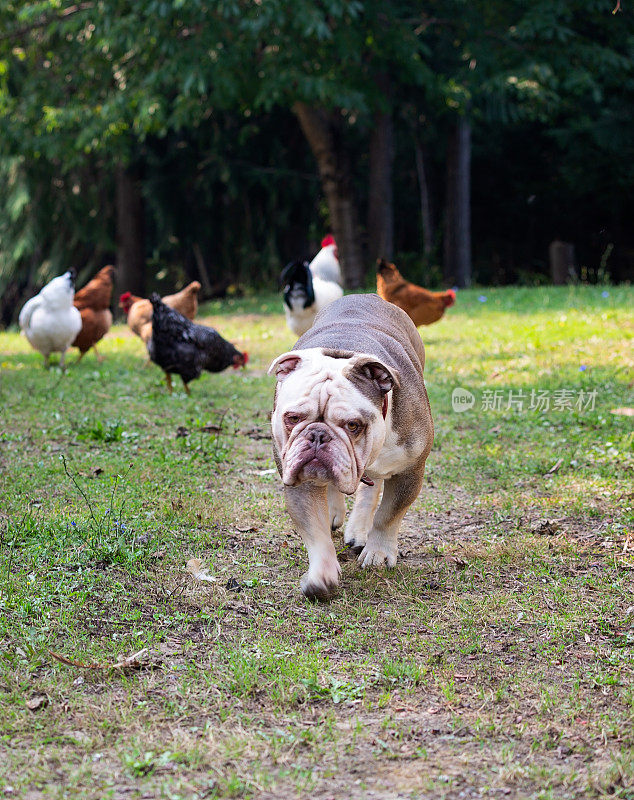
x,y
329,415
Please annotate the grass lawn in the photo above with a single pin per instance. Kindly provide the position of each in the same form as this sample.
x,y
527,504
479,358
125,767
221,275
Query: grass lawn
x,y
495,660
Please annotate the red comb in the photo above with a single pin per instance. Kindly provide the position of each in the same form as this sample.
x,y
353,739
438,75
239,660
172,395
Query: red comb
x,y
236,360
330,239
452,296
125,296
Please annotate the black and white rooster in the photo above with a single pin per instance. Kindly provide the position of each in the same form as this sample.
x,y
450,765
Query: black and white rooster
x,y
310,287
180,346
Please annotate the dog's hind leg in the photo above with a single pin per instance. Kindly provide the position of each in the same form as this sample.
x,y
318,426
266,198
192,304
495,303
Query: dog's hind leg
x,y
336,507
362,515
308,506
381,548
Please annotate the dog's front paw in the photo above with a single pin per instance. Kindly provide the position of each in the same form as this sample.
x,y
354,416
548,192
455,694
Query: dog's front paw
x,y
378,556
321,585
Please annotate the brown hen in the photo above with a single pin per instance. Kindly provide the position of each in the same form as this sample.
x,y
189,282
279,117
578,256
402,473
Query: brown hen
x,y
93,302
139,309
422,306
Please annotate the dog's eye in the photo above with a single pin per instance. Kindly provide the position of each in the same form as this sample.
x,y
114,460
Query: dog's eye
x,y
292,419
354,426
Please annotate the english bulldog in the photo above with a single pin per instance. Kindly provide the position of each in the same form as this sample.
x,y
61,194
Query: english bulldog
x,y
351,414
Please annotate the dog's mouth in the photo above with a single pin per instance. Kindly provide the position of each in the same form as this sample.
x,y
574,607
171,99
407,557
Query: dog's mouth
x,y
321,463
309,465
317,468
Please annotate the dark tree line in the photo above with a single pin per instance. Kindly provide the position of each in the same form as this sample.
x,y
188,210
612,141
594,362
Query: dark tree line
x,y
217,140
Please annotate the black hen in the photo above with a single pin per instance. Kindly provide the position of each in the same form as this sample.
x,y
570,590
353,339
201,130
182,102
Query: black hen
x,y
180,346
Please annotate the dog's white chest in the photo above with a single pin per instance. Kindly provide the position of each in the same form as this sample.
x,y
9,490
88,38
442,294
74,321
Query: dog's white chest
x,y
391,459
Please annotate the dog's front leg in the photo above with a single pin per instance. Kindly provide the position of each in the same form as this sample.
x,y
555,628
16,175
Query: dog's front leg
x,y
308,506
400,491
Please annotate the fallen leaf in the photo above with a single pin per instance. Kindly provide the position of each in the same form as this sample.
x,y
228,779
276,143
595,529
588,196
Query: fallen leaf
x,y
247,530
210,428
255,433
555,467
135,661
36,702
623,412
196,568
96,471
496,429
181,432
457,562
233,585
546,528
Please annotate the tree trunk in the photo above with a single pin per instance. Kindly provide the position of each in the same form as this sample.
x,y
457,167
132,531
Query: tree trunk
x,y
323,132
457,266
425,201
380,192
561,256
130,232
202,270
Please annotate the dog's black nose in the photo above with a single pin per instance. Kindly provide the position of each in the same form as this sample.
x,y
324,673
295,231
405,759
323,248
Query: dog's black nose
x,y
318,436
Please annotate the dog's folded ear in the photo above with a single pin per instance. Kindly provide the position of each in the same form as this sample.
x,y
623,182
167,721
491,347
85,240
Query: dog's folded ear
x,y
284,365
366,368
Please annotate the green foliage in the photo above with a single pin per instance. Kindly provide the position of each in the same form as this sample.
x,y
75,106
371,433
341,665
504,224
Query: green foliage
x,y
98,431
199,98
17,239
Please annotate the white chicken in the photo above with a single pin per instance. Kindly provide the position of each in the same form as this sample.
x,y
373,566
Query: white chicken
x,y
49,320
325,265
310,287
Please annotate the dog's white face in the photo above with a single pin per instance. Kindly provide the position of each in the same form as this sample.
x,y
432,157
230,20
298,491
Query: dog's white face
x,y
329,415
